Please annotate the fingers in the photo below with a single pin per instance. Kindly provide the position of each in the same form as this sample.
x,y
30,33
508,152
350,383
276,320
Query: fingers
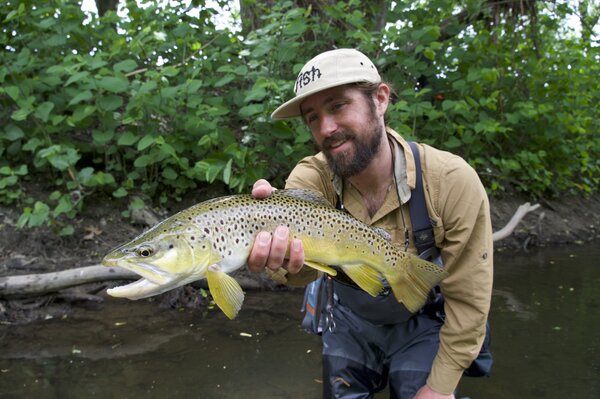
x,y
296,259
262,189
270,251
279,245
261,249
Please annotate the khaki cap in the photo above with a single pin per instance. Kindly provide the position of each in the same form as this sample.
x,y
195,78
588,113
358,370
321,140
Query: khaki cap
x,y
329,69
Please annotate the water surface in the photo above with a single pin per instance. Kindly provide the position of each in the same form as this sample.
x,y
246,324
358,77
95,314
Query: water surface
x,y
545,320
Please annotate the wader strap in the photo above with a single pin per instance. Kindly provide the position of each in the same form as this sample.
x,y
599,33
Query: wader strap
x,y
422,228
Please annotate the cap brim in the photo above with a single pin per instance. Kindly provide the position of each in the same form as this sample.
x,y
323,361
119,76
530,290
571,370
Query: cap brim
x,y
291,108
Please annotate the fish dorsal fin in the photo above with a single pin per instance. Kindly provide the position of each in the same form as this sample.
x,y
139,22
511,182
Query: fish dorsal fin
x,y
304,194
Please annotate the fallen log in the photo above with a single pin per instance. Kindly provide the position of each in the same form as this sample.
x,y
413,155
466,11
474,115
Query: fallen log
x,y
36,284
51,282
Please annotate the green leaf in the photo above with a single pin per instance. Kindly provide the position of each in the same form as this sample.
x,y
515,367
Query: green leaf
x,y
250,110
137,203
145,142
21,114
77,77
13,92
113,84
169,173
32,144
256,94
67,230
120,193
64,206
127,138
39,215
143,161
110,102
102,136
82,112
125,66
83,96
13,132
43,110
224,80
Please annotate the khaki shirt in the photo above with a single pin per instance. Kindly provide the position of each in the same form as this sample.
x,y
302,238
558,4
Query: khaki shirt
x,y
458,206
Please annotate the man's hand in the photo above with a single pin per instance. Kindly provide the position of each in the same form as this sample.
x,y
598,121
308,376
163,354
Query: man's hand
x,y
269,250
427,393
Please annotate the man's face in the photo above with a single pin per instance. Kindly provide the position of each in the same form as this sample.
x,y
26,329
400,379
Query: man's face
x,y
345,125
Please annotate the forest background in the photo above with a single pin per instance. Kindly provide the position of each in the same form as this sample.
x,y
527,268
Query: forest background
x,y
149,102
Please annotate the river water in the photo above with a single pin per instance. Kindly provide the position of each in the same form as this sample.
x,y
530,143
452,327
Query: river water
x,y
545,326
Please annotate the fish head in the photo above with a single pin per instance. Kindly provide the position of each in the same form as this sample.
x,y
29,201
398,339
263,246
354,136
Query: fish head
x,y
167,256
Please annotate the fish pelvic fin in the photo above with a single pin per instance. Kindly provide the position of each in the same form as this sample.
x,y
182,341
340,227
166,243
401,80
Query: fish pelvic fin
x,y
411,280
320,267
366,277
226,292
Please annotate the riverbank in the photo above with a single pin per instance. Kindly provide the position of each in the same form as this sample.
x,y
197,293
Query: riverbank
x,y
100,227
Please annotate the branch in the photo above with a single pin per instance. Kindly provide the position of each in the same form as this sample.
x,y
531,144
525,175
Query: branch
x,y
514,221
51,282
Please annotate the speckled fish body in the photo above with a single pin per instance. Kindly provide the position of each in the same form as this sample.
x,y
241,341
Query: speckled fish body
x,y
214,238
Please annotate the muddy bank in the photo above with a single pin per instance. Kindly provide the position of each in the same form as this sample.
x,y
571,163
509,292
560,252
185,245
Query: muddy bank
x,y
100,227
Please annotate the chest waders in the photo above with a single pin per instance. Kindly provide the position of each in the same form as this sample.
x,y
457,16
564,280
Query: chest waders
x,y
370,340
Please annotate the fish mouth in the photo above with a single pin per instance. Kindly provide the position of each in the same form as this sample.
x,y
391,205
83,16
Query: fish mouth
x,y
153,281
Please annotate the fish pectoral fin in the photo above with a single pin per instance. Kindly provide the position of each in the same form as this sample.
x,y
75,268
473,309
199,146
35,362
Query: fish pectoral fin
x,y
367,278
321,267
226,292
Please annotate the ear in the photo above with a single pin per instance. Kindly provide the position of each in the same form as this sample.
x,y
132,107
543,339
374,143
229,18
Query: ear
x,y
382,98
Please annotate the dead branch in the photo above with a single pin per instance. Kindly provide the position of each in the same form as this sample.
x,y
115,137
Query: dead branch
x,y
51,282
514,221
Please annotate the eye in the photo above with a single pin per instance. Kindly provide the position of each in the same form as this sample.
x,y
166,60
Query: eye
x,y
337,106
310,118
144,252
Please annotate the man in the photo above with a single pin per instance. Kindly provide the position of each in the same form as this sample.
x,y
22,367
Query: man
x,y
369,170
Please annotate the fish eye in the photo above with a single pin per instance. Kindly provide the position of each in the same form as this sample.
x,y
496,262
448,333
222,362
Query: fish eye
x,y
144,252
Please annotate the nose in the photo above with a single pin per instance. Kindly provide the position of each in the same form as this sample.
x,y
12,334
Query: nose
x,y
327,126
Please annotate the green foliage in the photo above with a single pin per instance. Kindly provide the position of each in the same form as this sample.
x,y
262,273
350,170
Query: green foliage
x,y
161,101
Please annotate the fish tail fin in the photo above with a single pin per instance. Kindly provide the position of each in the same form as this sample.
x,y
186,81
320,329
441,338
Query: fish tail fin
x,y
412,278
366,277
226,292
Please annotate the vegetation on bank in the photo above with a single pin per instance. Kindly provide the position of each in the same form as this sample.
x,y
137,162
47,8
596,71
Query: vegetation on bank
x,y
156,100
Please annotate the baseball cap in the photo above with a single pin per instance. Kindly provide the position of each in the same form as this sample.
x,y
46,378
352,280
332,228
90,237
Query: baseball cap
x,y
329,69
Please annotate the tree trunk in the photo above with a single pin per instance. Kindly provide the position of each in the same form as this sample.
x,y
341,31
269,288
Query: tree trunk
x,y
104,6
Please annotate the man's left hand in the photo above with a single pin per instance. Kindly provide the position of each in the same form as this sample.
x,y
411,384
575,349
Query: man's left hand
x,y
427,393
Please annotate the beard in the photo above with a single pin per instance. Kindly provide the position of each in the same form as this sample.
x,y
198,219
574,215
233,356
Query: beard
x,y
347,164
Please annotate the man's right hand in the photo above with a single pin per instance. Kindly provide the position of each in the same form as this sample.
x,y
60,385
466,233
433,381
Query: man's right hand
x,y
269,250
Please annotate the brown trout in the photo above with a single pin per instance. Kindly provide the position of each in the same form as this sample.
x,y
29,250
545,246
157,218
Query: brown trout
x,y
215,237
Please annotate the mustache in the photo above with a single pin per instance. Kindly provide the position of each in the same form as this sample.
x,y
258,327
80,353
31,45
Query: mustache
x,y
337,137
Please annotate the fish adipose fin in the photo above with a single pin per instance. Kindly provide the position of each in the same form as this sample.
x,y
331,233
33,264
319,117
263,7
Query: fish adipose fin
x,y
320,267
412,286
226,292
367,278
